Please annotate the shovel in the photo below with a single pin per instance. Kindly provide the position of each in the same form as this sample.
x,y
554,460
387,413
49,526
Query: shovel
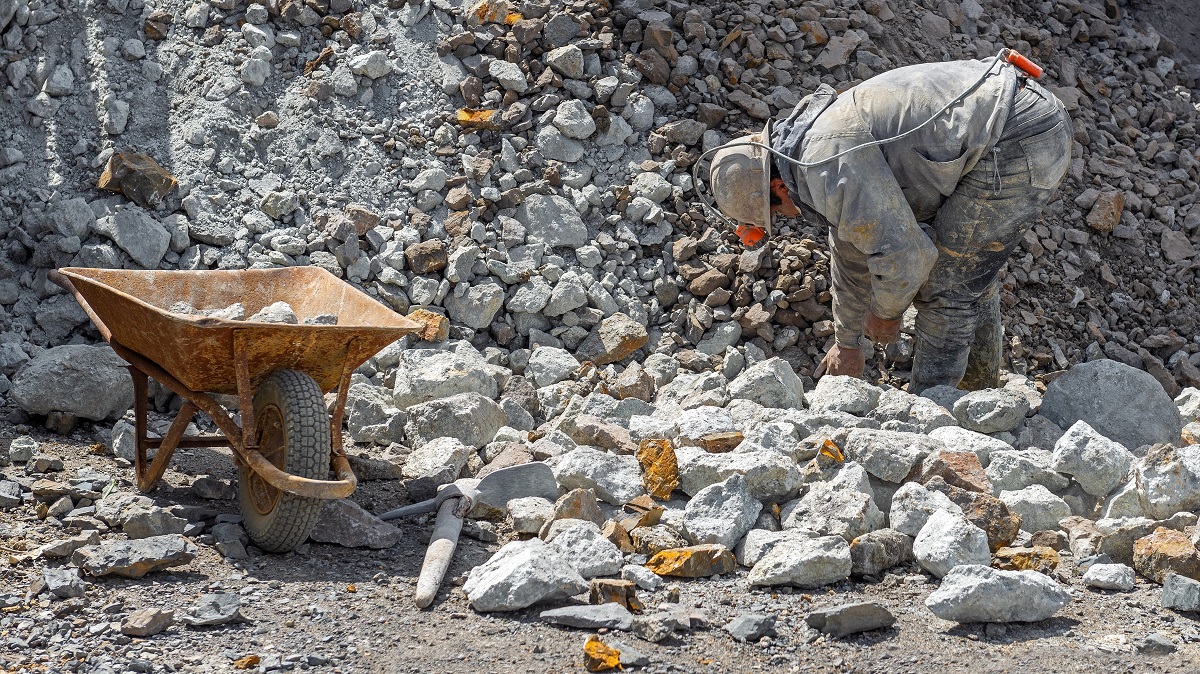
x,y
453,503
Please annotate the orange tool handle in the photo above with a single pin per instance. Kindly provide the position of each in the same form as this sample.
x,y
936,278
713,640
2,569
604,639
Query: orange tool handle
x,y
1024,64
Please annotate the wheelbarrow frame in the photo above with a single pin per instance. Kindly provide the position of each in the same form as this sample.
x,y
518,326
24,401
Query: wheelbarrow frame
x,y
242,440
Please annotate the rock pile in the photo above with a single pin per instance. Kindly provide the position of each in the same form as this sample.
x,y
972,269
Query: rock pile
x,y
523,167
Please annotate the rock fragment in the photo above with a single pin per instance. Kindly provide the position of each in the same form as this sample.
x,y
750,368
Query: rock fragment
x,y
977,593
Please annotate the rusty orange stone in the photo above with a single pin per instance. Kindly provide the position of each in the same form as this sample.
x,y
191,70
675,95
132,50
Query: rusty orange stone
x,y
436,327
138,177
696,561
961,469
660,471
599,656
1106,212
619,535
1164,551
476,119
1039,558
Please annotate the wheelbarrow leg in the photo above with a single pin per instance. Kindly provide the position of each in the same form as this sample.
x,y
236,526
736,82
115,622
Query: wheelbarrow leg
x,y
148,472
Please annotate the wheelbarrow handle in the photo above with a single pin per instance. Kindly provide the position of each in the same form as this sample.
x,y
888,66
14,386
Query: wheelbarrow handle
x,y
61,280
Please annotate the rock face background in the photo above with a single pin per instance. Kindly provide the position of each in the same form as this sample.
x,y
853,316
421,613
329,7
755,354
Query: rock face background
x,y
523,166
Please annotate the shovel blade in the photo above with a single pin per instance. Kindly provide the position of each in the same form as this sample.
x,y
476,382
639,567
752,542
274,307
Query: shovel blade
x,y
527,479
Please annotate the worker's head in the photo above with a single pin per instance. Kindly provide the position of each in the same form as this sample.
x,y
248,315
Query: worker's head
x,y
745,183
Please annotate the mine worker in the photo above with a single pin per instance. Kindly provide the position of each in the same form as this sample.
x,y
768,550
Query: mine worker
x,y
927,177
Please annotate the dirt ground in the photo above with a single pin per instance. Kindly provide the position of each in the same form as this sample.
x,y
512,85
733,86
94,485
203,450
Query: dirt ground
x,y
328,608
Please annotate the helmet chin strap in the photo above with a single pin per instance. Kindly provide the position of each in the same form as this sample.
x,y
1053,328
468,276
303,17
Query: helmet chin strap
x,y
1005,57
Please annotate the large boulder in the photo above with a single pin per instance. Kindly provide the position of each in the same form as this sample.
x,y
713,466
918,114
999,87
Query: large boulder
x,y
90,382
1168,480
978,593
812,562
522,573
1122,403
948,540
470,417
721,513
1098,464
425,374
771,383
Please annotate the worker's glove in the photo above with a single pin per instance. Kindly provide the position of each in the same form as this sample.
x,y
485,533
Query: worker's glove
x,y
842,360
879,330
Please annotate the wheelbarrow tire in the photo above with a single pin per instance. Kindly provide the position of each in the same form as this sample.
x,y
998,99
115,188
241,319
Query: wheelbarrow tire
x,y
294,399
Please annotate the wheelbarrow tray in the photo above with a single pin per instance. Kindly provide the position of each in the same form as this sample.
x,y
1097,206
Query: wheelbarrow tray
x,y
133,309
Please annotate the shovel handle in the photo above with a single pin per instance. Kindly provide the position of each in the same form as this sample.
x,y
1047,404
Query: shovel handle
x,y
442,543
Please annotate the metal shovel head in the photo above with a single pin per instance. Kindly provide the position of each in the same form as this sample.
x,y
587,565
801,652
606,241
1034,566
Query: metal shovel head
x,y
527,479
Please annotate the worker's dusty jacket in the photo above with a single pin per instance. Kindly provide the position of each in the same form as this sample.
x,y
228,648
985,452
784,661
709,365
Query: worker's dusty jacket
x,y
874,197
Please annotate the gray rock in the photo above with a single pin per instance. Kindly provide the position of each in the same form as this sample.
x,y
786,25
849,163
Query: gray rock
x,y
771,383
758,542
555,145
521,574
769,476
552,220
573,119
470,417
750,627
371,415
913,504
136,233
568,295
978,593
948,540
276,312
991,410
1109,577
587,550
433,464
531,297
840,393
601,616
1125,501
847,619
959,439
64,583
721,513
139,522
1039,509
527,515
213,609
90,382
10,494
688,391
509,75
694,424
641,576
721,337
1098,464
73,217
424,375
1011,470
22,449
477,306
1168,480
617,479
346,523
549,365
373,64
1122,403
566,60
134,559
1038,432
67,546
803,563
1181,593
833,510
888,455
877,551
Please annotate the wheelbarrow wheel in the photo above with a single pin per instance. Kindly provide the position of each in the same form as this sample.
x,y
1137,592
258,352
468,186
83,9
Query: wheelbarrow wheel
x,y
294,435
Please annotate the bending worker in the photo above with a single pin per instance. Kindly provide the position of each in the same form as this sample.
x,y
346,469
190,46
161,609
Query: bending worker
x,y
928,176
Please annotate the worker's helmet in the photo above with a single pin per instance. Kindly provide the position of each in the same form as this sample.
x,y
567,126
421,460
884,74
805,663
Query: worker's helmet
x,y
740,179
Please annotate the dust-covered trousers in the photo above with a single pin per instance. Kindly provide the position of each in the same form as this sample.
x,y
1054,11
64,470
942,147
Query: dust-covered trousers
x,y
958,331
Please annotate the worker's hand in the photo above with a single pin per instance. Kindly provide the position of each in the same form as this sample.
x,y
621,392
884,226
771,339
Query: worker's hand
x,y
880,331
842,360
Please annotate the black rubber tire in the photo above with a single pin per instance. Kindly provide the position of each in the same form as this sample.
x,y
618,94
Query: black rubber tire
x,y
305,425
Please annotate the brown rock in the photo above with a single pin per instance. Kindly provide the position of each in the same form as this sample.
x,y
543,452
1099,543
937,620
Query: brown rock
x,y
711,114
616,338
611,591
1040,559
458,224
707,282
660,471
960,469
659,37
755,317
426,257
683,249
1164,551
267,120
458,197
589,430
138,177
1106,212
634,382
513,454
984,511
697,561
619,535
147,622
435,327
1055,540
645,513
157,24
652,64
363,218
720,443
578,504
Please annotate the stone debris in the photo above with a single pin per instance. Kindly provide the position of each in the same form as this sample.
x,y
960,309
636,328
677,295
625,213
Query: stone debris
x,y
1110,577
847,619
601,616
346,523
521,574
146,622
1181,593
751,627
213,609
972,593
134,559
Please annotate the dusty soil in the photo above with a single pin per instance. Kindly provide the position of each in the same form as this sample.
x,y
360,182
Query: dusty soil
x,y
328,608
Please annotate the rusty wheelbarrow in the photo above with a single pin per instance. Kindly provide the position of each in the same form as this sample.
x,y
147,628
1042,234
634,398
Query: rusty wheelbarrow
x,y
288,440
